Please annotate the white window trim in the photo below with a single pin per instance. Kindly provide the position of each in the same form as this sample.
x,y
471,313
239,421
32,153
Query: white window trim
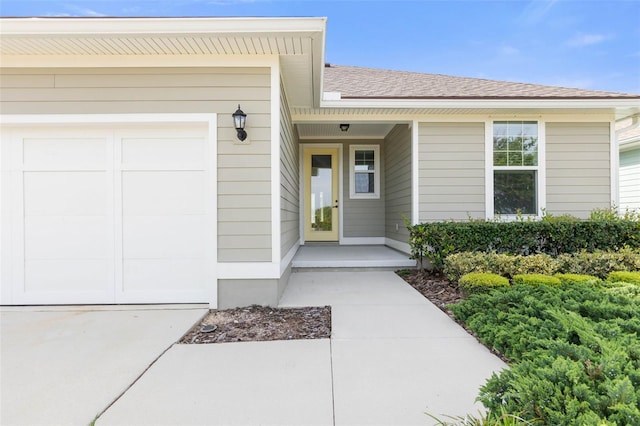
x,y
376,172
541,183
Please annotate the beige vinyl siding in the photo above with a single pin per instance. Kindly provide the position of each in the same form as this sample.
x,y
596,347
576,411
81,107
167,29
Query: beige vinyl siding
x,y
630,179
289,179
397,182
452,171
578,168
244,201
362,217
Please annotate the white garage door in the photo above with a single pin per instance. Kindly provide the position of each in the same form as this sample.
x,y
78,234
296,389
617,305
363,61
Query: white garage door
x,y
108,215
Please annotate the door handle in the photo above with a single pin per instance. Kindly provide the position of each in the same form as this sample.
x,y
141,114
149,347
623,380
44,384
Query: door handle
x,y
336,206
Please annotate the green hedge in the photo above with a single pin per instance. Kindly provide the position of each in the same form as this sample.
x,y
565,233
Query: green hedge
x,y
599,264
553,236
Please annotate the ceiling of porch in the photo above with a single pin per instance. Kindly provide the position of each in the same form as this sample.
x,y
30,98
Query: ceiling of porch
x,y
355,131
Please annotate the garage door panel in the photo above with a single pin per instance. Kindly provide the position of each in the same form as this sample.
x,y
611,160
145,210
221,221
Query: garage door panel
x,y
65,193
65,276
66,154
163,237
107,213
186,153
65,237
152,275
163,192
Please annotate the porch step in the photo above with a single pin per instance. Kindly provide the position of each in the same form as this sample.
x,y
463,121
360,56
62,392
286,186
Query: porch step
x,y
334,257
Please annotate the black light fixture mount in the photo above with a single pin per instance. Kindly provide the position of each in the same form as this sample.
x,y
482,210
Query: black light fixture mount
x,y
239,120
344,127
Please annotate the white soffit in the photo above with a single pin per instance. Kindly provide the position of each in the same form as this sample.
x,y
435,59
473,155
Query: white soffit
x,y
299,42
332,130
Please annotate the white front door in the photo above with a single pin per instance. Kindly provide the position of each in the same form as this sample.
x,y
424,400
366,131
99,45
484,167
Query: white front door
x,y
105,214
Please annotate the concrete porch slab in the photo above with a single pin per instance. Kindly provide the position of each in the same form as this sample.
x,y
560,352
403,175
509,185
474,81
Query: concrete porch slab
x,y
348,288
64,365
267,383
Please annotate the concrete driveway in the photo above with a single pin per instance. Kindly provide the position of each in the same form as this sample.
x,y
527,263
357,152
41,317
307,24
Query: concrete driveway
x,y
392,357
65,365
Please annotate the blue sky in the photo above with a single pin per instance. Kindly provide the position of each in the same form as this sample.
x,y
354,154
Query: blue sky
x,y
591,44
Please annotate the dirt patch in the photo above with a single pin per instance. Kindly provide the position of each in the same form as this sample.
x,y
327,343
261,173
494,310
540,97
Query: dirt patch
x,y
259,323
437,288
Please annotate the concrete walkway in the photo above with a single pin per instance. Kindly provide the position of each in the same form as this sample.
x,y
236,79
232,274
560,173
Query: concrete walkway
x,y
392,357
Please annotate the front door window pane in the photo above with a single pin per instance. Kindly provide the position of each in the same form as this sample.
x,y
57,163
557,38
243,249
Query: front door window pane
x,y
321,193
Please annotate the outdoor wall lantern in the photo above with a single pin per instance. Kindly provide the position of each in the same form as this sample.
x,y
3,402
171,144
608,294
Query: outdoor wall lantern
x,y
239,120
344,127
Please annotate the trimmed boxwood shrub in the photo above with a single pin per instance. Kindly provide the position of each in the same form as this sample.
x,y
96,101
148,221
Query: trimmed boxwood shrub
x,y
624,276
576,278
598,264
437,240
477,282
536,279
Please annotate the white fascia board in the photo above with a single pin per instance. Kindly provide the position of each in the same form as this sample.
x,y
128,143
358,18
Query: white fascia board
x,y
482,103
137,26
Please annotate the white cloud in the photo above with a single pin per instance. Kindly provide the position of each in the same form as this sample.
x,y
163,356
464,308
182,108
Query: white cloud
x,y
582,40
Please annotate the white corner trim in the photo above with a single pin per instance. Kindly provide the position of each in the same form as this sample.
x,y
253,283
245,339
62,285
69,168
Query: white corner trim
x,y
488,170
248,270
211,245
398,245
615,165
542,167
288,258
415,172
275,163
362,241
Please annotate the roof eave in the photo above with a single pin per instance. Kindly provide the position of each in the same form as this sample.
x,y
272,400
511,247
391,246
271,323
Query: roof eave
x,y
487,102
119,26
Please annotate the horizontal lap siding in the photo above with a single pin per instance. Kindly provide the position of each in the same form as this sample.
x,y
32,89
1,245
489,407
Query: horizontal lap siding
x,y
363,217
451,171
578,168
397,182
289,179
630,179
244,201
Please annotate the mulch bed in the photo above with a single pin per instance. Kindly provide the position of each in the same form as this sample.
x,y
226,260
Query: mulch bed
x,y
260,323
435,287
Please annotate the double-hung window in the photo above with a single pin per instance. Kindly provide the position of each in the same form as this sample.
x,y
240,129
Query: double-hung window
x,y
516,168
364,171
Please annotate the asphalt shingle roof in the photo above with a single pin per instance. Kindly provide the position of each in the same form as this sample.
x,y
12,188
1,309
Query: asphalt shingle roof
x,y
363,83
